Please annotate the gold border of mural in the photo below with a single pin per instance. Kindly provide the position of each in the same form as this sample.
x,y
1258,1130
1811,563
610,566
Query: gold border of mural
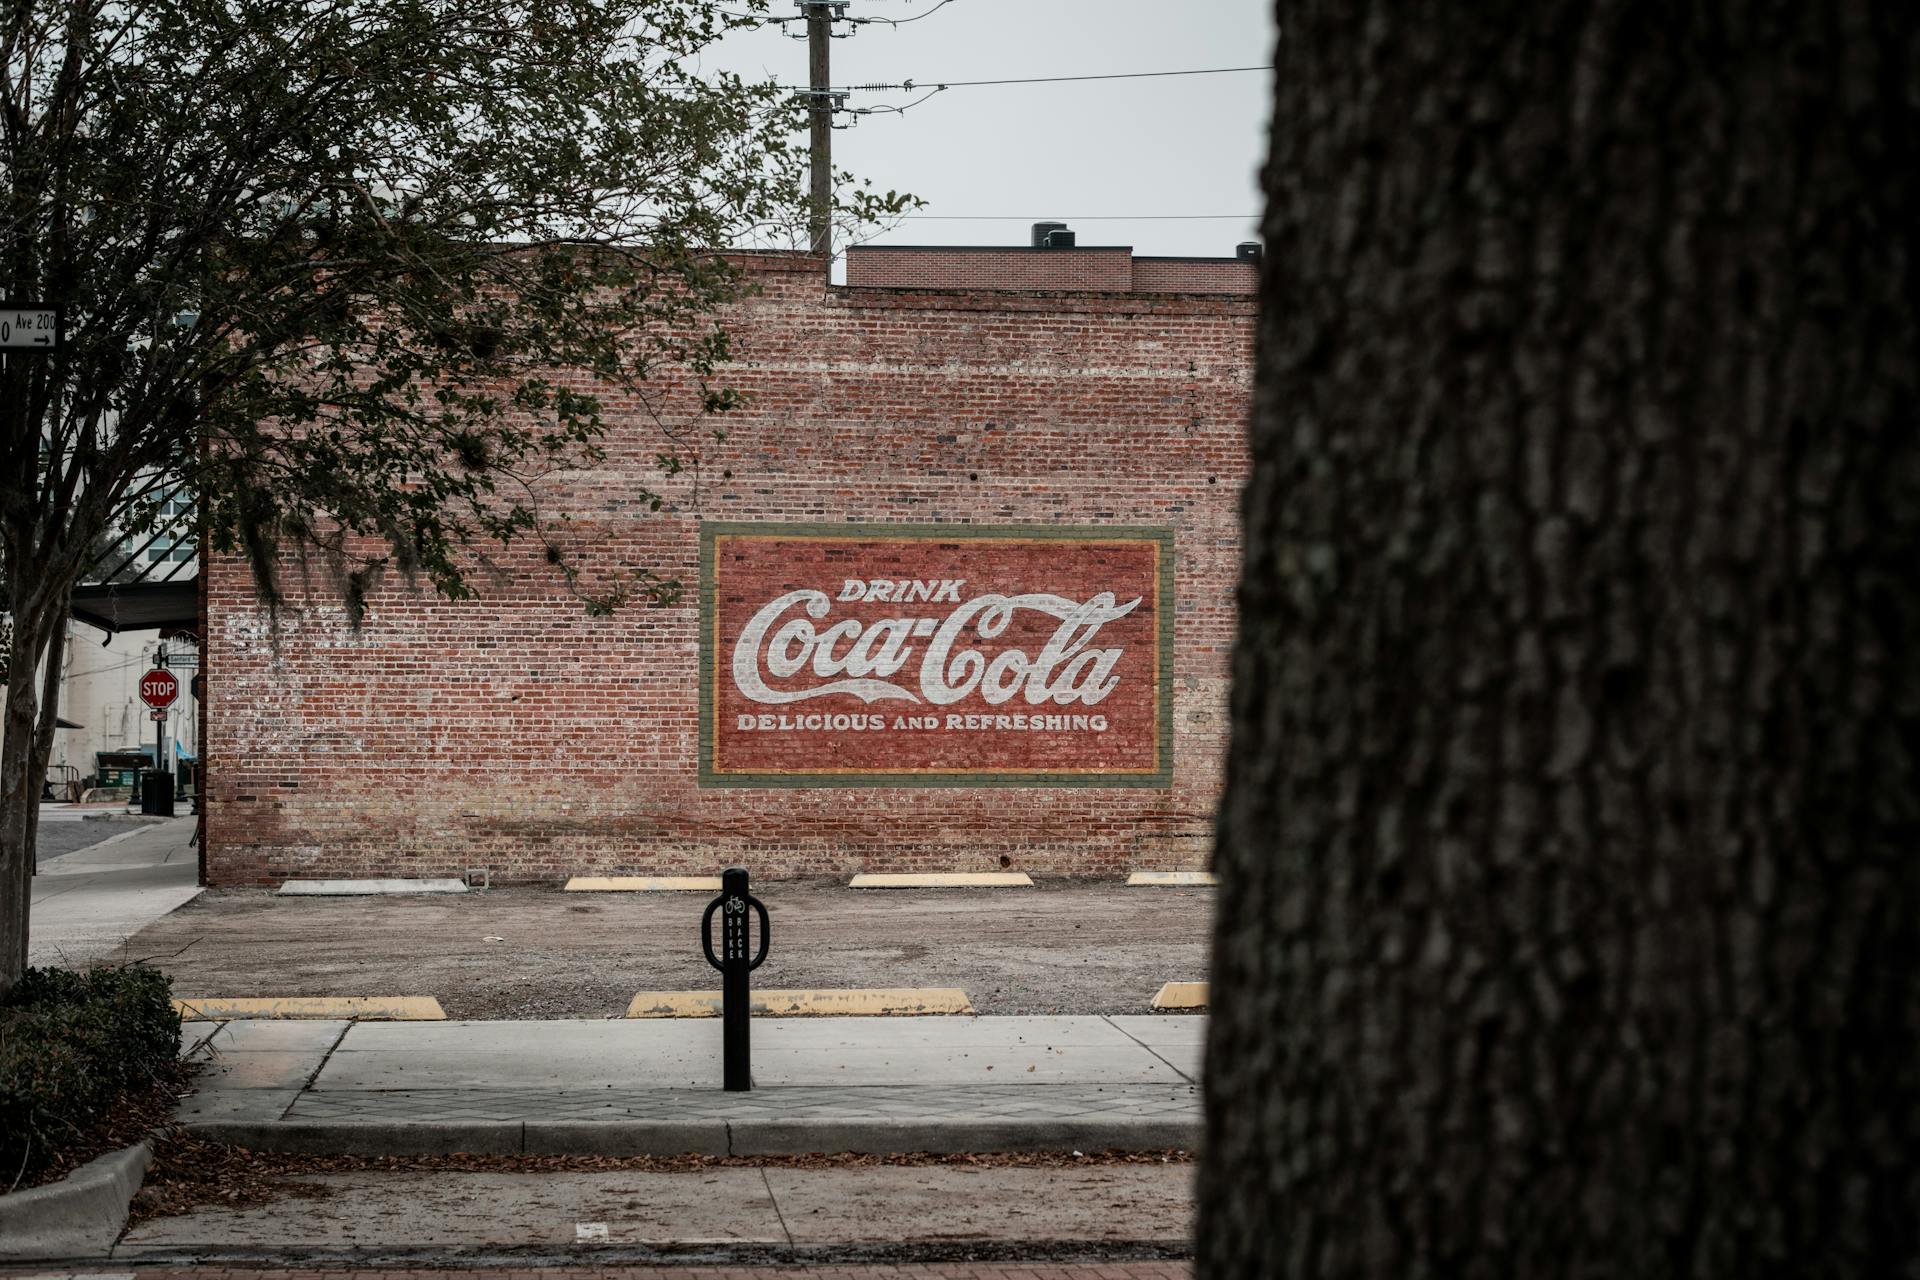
x,y
1202,879
641,884
943,880
1181,995
842,1002
364,1008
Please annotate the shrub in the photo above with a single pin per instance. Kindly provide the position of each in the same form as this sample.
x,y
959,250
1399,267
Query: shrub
x,y
71,1047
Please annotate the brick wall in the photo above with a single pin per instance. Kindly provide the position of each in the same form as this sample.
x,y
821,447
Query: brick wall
x,y
516,733
964,267
1015,268
1196,275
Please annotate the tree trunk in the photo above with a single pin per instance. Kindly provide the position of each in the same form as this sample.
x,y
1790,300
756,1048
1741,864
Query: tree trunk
x,y
44,729
20,785
1569,859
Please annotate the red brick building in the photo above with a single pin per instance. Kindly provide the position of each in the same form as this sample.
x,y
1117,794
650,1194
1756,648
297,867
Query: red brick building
x,y
958,595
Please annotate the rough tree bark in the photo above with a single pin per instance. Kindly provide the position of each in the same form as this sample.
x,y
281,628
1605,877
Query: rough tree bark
x,y
1570,870
43,731
20,781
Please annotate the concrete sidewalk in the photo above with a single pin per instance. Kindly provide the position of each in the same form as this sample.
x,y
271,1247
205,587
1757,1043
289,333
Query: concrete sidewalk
x,y
652,1087
86,904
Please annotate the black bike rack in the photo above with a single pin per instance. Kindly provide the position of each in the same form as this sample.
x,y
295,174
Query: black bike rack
x,y
735,1004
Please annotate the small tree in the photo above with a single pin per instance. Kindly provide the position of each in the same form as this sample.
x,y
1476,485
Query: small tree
x,y
321,260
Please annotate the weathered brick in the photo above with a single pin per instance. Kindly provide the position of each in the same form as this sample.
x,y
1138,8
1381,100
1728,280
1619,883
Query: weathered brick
x,y
517,733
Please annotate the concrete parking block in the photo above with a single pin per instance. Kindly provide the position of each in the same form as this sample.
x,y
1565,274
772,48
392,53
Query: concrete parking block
x,y
1171,879
366,888
1181,995
856,1002
943,880
643,884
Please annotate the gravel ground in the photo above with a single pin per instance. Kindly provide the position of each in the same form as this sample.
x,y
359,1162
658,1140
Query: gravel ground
x,y
57,838
1064,947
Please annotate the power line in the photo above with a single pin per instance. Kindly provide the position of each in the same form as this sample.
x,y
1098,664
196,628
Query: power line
x,y
769,20
836,95
909,85
901,22
891,110
1082,217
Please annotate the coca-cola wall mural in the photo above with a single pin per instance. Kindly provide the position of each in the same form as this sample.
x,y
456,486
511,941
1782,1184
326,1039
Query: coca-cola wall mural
x,y
935,655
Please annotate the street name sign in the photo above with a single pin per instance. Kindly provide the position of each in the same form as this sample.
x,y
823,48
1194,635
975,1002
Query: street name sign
x,y
159,688
30,327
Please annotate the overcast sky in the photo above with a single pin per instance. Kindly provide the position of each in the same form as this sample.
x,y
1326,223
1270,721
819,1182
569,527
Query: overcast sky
x,y
1178,145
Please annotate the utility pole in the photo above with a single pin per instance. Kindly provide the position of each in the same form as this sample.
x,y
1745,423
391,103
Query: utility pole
x,y
820,15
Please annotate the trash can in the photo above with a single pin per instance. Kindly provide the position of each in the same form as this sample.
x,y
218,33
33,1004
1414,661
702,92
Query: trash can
x,y
156,792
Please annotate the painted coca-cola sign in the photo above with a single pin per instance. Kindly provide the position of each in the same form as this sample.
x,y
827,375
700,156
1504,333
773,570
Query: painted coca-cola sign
x,y
916,655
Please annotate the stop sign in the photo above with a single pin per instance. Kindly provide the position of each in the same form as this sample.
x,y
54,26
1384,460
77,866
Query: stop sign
x,y
158,688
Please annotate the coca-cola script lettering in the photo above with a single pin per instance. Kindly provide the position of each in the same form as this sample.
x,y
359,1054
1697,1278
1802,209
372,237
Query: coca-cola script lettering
x,y
942,655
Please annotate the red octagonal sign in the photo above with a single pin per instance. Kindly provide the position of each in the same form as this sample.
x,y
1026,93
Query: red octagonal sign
x,y
159,688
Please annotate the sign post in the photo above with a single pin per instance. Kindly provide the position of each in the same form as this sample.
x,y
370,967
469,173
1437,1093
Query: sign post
x,y
158,688
735,1004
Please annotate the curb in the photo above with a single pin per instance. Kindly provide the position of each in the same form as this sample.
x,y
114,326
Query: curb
x,y
367,1137
958,1137
80,1216
709,1137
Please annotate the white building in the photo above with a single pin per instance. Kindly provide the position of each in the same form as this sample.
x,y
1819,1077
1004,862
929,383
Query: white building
x,y
100,693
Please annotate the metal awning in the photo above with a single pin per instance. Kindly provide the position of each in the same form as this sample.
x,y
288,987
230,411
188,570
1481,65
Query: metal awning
x,y
61,722
139,606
